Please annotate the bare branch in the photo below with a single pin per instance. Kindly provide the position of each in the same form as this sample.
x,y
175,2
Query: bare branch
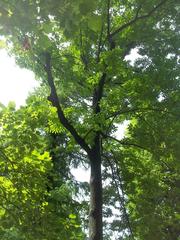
x,y
137,18
55,102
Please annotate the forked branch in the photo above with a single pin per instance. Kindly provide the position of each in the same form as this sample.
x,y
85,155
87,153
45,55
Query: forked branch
x,y
55,102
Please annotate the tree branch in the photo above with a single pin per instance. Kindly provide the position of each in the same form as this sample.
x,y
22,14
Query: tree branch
x,y
83,56
125,143
115,114
108,18
128,48
100,45
97,96
137,18
53,98
98,93
122,142
2,153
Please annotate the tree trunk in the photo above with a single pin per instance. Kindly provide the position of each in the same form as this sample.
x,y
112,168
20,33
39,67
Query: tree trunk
x,y
95,213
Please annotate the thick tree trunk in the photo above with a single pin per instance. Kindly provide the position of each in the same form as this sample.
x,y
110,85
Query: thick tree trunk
x,y
95,213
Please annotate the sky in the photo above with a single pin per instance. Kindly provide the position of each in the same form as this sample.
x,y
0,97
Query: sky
x,y
16,83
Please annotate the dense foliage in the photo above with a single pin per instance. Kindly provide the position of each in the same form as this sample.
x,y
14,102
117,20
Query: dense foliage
x,y
79,50
35,194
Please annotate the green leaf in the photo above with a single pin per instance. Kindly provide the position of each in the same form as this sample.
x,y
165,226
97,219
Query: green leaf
x,y
95,22
2,44
72,216
86,6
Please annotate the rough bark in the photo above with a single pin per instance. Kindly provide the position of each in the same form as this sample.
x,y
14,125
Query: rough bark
x,y
95,213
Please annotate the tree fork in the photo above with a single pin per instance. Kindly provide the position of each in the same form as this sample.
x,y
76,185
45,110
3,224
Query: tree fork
x,y
53,98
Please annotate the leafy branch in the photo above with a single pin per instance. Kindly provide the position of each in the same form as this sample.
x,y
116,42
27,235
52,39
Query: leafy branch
x,y
5,157
137,18
122,142
134,110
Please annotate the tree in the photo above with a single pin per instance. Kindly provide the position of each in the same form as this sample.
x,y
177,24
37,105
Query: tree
x,y
154,192
35,198
79,49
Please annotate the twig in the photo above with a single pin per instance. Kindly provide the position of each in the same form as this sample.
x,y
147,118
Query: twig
x,y
125,143
136,18
117,113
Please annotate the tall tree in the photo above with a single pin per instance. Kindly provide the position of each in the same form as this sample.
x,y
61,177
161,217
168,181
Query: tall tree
x,y
79,49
